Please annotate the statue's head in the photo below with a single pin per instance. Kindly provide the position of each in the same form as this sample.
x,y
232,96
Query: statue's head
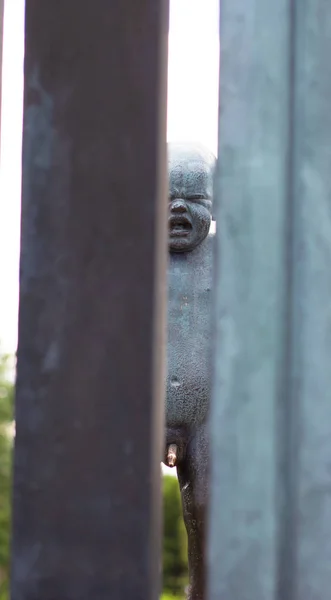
x,y
191,170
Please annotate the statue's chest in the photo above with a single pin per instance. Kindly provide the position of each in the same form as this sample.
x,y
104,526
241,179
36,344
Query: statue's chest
x,y
189,308
189,326
189,298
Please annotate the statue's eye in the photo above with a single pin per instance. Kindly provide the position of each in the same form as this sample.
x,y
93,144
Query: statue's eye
x,y
196,197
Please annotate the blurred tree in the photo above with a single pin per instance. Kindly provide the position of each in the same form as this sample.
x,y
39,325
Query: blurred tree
x,y
174,538
6,417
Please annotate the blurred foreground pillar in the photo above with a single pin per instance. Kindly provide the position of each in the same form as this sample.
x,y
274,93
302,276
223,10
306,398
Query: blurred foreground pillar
x,y
270,521
89,403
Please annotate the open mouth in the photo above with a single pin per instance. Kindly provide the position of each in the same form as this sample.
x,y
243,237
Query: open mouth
x,y
179,225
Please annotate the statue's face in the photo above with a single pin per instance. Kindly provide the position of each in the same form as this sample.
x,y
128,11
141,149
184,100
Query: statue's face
x,y
190,195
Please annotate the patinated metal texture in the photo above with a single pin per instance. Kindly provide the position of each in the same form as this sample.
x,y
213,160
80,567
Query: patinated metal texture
x,y
191,170
270,518
309,398
92,297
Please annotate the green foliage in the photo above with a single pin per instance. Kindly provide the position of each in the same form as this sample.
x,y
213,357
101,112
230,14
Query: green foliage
x,y
6,411
174,539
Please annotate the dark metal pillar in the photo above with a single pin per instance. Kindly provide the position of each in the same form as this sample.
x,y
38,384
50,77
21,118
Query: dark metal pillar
x,y
270,522
89,400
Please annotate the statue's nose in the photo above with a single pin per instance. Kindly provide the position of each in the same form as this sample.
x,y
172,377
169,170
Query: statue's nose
x,y
178,206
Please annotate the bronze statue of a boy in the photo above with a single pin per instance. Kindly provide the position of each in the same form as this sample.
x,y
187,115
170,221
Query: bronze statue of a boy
x,y
191,169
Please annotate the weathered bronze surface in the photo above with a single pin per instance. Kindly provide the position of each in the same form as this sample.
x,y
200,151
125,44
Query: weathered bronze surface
x,y
270,437
87,508
189,309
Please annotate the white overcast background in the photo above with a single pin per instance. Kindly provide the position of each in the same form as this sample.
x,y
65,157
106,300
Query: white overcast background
x,y
192,115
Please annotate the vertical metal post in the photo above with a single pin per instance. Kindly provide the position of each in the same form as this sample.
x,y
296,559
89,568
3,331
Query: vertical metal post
x,y
92,291
270,521
310,393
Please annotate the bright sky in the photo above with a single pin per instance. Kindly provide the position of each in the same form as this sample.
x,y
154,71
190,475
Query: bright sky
x,y
192,115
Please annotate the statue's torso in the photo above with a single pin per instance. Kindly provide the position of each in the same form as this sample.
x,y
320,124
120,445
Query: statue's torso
x,y
189,320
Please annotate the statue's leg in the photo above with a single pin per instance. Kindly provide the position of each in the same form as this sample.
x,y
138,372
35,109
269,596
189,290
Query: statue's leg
x,y
193,482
